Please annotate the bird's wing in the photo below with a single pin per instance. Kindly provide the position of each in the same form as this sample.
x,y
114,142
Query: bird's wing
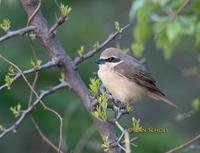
x,y
137,74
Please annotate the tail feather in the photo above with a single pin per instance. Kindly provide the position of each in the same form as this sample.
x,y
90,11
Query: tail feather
x,y
165,99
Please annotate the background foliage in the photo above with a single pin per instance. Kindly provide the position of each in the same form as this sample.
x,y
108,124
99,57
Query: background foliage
x,y
91,21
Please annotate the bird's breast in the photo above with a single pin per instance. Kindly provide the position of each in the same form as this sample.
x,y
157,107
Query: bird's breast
x,y
121,88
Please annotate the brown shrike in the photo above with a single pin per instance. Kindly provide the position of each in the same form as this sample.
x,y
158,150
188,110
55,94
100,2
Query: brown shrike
x,y
126,78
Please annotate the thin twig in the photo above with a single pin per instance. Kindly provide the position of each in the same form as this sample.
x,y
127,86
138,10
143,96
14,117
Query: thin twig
x,y
37,96
21,72
32,70
49,142
18,32
61,124
34,13
185,144
56,51
24,113
174,15
33,85
60,21
127,142
91,53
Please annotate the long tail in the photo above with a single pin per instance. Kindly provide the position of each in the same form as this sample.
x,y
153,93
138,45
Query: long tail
x,y
163,98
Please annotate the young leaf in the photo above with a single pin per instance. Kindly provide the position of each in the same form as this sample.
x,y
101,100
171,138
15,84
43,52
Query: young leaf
x,y
1,128
196,104
96,45
16,110
65,10
81,51
105,144
136,124
137,50
36,64
173,31
94,86
62,77
8,80
5,25
11,71
117,27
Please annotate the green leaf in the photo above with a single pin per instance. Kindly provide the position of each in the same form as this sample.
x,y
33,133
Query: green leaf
x,y
187,23
124,50
196,104
2,128
5,25
16,110
173,31
137,4
142,33
32,35
81,51
105,144
36,64
179,117
11,71
8,80
94,86
96,45
117,27
129,108
62,77
143,30
137,50
65,10
136,124
167,46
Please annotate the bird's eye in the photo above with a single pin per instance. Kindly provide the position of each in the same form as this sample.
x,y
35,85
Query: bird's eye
x,y
110,59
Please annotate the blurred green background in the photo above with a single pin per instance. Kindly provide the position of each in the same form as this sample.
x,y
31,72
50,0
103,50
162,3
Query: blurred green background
x,y
89,22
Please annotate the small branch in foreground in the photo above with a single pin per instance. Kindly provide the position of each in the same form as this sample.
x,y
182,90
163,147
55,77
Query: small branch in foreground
x,y
32,70
18,32
174,15
61,124
127,142
37,96
60,21
49,142
184,145
91,53
24,113
34,13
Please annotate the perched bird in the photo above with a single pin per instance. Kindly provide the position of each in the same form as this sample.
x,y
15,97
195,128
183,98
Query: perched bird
x,y
126,78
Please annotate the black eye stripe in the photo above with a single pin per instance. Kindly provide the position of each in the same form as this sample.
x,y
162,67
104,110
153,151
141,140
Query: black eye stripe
x,y
112,59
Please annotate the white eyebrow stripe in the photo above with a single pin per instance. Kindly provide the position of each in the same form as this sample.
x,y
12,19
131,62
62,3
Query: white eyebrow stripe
x,y
103,57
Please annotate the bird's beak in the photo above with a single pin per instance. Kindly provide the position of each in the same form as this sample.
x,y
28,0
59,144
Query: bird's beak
x,y
100,61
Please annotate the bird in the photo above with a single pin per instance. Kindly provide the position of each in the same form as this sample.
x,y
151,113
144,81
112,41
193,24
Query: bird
x,y
127,79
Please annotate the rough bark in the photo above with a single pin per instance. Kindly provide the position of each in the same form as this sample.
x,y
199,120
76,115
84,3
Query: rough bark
x,y
58,54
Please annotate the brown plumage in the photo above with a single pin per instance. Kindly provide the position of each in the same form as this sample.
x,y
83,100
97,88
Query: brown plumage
x,y
126,78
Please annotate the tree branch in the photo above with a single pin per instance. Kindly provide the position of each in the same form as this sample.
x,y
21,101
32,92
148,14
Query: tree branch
x,y
48,141
60,21
91,53
18,32
174,15
184,145
32,70
24,113
58,54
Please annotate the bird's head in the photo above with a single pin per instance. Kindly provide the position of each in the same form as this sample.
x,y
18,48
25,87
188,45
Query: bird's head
x,y
109,58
